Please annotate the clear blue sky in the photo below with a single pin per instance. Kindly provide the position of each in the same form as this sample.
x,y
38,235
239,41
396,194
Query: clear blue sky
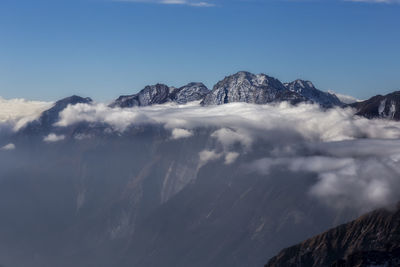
x,y
103,48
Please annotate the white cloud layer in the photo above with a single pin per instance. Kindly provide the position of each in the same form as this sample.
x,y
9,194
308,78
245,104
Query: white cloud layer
x,y
346,153
240,122
19,111
361,174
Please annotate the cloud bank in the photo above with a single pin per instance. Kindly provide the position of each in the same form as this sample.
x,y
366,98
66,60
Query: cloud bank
x,y
239,122
361,174
18,112
344,152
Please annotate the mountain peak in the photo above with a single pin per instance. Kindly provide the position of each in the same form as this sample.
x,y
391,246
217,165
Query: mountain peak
x,y
51,116
161,93
250,88
308,90
379,106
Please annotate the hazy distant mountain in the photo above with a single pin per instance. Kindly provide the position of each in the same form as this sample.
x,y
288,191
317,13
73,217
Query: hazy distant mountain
x,y
371,240
49,117
385,107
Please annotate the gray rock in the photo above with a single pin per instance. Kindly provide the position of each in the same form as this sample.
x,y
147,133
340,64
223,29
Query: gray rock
x,y
384,107
160,94
250,88
189,92
308,90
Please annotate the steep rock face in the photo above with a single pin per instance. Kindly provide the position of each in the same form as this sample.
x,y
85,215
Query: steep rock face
x,y
386,107
153,94
371,240
51,116
161,93
308,90
250,88
189,92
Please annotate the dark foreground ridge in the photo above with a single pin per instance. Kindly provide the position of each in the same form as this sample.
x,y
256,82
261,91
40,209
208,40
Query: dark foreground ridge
x,y
371,240
385,107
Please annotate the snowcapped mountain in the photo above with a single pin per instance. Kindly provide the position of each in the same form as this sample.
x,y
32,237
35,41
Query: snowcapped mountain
x,y
308,90
385,107
240,87
161,93
222,183
250,88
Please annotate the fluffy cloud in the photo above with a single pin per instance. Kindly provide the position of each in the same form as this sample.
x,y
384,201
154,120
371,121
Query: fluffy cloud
x,y
240,122
208,155
18,112
231,157
8,147
51,138
361,174
180,133
346,153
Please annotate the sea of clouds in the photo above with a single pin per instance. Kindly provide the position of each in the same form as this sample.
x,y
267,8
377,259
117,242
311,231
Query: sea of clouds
x,y
356,160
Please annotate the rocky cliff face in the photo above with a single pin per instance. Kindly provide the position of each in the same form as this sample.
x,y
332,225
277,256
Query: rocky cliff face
x,y
308,90
240,87
161,93
371,240
250,88
385,107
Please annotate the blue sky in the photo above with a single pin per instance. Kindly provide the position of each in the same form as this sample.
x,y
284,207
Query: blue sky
x,y
102,48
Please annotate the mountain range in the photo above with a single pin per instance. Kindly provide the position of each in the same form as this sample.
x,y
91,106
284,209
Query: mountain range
x,y
195,177
240,87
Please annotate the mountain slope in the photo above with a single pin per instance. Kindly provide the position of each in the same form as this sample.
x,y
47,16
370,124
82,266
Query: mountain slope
x,y
308,90
161,93
250,88
51,116
371,240
385,107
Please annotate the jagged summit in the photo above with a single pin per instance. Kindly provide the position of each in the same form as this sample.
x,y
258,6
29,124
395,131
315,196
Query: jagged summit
x,y
250,88
242,86
308,90
161,93
385,107
190,92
